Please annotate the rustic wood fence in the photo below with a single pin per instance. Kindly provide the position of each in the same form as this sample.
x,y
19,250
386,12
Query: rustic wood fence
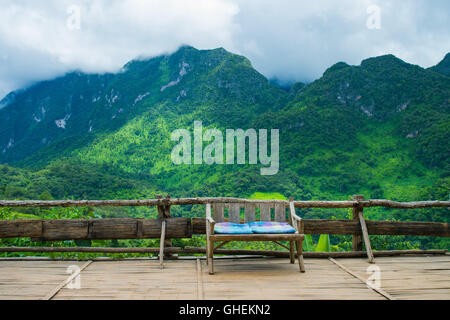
x,y
167,227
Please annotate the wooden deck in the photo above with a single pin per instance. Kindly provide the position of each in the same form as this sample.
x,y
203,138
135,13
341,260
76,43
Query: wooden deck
x,y
414,277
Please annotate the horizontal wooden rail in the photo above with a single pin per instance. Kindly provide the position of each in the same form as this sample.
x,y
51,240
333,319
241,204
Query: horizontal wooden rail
x,y
285,254
88,249
101,229
105,229
199,201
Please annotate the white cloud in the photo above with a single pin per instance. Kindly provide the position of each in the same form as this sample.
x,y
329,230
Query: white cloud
x,y
291,40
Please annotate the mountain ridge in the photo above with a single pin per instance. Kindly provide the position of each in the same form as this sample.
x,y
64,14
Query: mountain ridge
x,y
444,63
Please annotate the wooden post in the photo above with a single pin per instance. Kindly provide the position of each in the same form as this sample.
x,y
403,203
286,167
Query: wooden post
x,y
164,213
356,238
366,238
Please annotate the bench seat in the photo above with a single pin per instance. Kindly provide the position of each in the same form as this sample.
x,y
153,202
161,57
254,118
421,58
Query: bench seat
x,y
258,237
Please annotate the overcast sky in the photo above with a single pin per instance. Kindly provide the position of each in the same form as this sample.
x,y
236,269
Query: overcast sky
x,y
289,40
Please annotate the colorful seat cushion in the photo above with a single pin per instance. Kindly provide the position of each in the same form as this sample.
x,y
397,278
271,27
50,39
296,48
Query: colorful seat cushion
x,y
231,228
271,227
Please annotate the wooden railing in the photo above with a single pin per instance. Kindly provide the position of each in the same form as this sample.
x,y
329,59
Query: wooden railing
x,y
172,228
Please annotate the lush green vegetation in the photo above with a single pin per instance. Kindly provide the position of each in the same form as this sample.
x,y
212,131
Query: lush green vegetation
x,y
380,129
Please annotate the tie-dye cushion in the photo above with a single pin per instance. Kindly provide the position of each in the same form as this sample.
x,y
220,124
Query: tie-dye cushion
x,y
231,228
271,227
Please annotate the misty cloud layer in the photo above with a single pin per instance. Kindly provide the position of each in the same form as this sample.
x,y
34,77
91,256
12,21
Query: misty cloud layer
x,y
288,40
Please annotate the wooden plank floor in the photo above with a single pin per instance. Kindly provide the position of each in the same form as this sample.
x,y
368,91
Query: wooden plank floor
x,y
409,277
278,279
136,280
402,277
30,280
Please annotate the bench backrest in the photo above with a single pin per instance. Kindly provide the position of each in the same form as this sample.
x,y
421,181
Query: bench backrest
x,y
234,212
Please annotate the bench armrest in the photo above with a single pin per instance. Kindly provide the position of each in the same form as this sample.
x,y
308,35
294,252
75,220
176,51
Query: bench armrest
x,y
209,221
296,217
296,221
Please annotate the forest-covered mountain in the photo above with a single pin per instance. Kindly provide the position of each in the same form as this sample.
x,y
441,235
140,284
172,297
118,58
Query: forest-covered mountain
x,y
443,66
380,129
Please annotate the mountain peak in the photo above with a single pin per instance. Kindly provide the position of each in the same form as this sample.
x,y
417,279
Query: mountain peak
x,y
185,49
183,54
8,99
383,61
390,65
336,67
443,66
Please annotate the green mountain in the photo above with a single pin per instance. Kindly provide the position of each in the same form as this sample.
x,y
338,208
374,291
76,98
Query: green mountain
x,y
380,129
74,109
443,66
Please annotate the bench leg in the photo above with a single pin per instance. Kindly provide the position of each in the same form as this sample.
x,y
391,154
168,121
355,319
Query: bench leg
x,y
161,245
207,250
211,256
301,263
161,257
291,252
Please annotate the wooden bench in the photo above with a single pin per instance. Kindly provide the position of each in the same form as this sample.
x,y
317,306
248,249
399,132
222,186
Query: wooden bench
x,y
234,215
